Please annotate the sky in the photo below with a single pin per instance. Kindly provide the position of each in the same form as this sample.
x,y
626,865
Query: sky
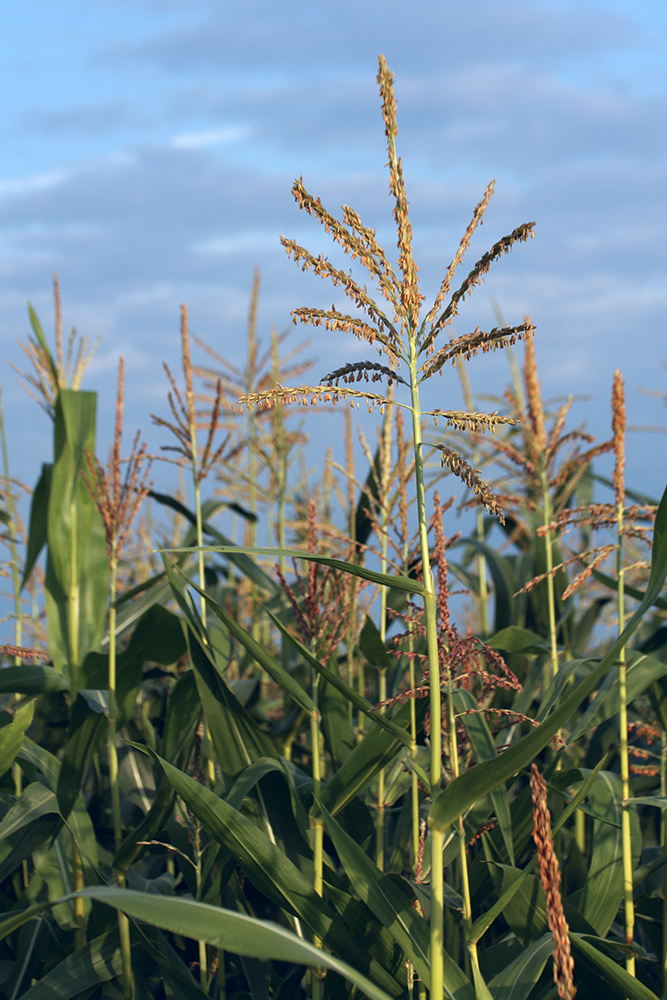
x,y
148,148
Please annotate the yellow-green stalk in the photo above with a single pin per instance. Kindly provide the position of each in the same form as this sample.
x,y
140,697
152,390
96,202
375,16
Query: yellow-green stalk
x,y
618,427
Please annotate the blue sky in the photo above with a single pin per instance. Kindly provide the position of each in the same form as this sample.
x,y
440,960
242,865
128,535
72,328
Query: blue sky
x,y
148,149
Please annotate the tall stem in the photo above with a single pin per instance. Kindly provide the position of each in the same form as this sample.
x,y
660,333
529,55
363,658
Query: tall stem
x,y
628,903
435,702
383,517
318,824
123,922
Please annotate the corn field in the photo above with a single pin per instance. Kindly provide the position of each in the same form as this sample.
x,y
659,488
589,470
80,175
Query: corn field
x,y
394,730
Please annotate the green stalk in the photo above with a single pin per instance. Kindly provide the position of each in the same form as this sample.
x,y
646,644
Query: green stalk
x,y
203,962
435,702
196,479
352,582
628,903
383,519
73,604
123,922
318,824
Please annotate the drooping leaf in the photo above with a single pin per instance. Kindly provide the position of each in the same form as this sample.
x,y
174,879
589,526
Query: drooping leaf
x,y
272,872
234,932
237,556
35,801
31,678
623,984
395,580
514,639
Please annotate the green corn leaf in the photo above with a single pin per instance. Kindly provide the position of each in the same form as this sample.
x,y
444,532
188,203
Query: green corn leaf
x,y
376,751
518,640
77,568
183,715
98,961
395,580
35,801
272,871
31,678
12,734
603,890
373,647
641,671
38,522
485,749
45,762
87,732
463,791
504,582
235,932
43,345
395,911
237,739
237,556
260,654
611,974
157,637
519,977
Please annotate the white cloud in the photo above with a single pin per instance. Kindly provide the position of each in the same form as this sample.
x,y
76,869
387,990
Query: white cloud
x,y
34,182
209,137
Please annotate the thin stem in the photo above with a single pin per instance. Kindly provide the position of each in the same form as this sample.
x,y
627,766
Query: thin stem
x,y
435,702
628,903
123,922
318,824
385,452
